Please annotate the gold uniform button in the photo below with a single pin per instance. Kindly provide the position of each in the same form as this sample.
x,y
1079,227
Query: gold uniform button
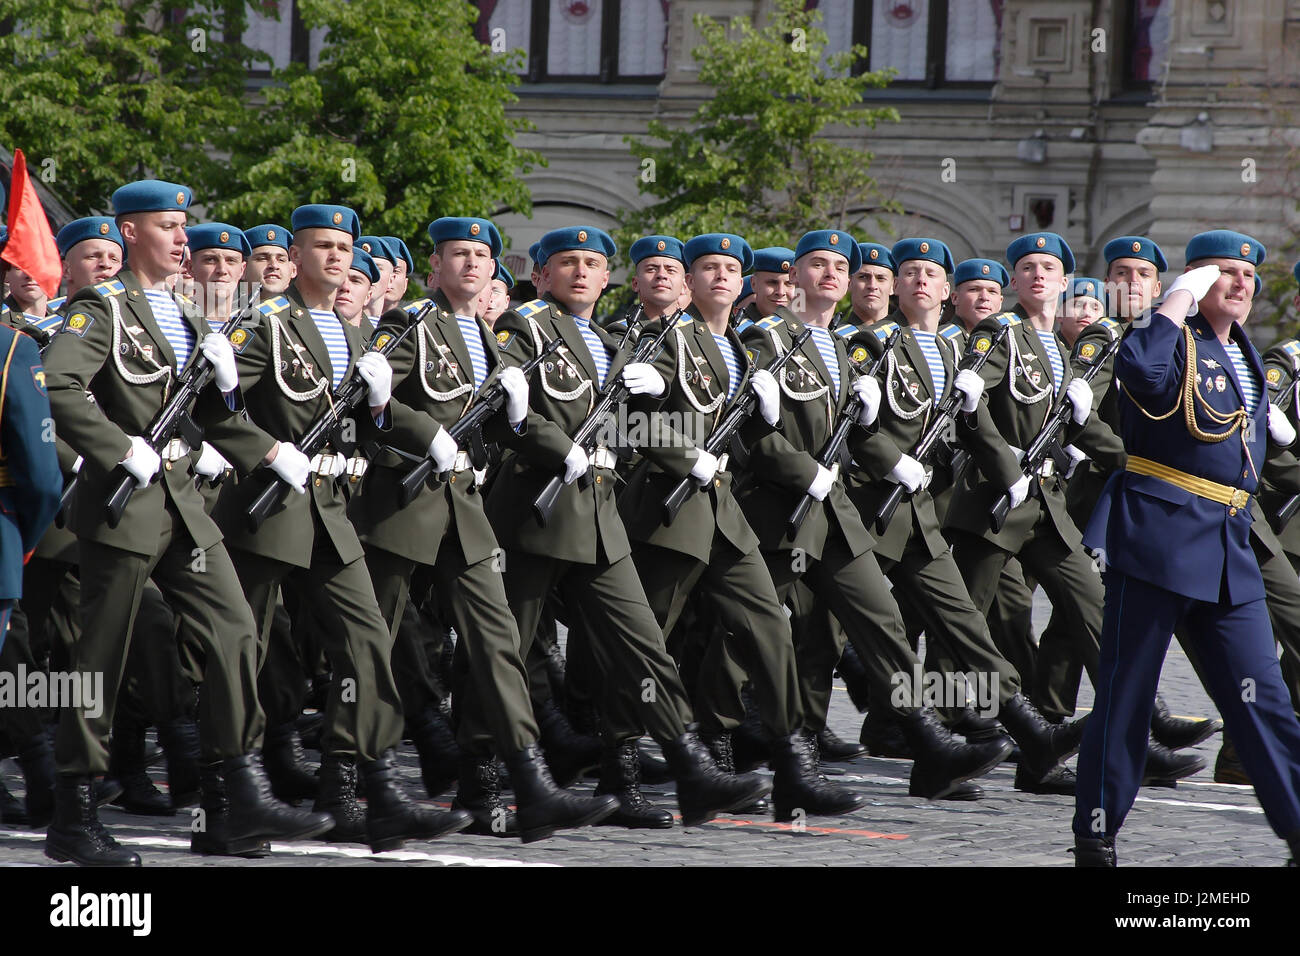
x,y
453,479
317,482
1232,511
353,479
717,482
167,465
598,479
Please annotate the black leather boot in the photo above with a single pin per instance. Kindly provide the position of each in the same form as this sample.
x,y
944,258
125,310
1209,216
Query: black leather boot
x,y
975,728
1057,779
751,744
126,765
942,763
1094,852
832,749
292,779
76,835
798,789
180,743
338,798
883,736
704,791
392,817
1042,744
435,742
210,833
1228,767
1178,733
256,815
479,794
720,748
1164,768
569,754
36,760
620,776
12,811
854,674
543,806
654,769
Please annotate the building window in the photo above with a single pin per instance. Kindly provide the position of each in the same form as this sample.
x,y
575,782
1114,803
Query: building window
x,y
587,41
1147,50
928,42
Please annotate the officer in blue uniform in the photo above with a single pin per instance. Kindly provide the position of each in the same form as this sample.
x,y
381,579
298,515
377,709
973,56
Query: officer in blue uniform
x,y
1174,529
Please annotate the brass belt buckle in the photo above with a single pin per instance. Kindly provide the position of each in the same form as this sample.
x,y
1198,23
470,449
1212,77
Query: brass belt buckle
x,y
1239,498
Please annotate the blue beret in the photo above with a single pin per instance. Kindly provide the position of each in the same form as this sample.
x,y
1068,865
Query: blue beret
x,y
398,248
217,235
988,269
1085,287
1295,271
502,274
831,240
466,227
364,263
535,253
720,244
1048,243
932,250
1225,244
268,234
874,254
322,216
91,227
377,247
4,235
1135,247
648,246
577,237
151,195
746,288
773,259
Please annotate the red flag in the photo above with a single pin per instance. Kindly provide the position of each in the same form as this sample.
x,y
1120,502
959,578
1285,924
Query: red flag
x,y
31,245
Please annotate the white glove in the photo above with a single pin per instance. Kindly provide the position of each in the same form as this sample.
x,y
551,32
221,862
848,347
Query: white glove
x,y
216,349
576,463
1280,428
821,485
1079,394
378,375
867,389
1076,457
1197,282
328,465
769,395
211,463
292,465
443,450
143,462
516,386
705,467
642,379
971,386
1019,491
910,473
480,477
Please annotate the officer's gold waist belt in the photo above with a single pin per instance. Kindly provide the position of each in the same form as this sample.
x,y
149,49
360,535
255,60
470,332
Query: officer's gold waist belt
x,y
1223,494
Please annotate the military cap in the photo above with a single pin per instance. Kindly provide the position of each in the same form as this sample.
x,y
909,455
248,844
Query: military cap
x,y
91,227
469,228
268,235
1135,247
577,237
217,235
720,244
746,289
535,253
648,246
151,195
502,274
1295,271
1048,243
377,247
830,240
773,259
398,248
364,263
1225,244
931,250
874,254
322,216
988,269
1082,287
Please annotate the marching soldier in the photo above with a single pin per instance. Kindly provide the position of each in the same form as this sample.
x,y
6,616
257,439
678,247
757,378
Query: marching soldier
x,y
770,284
124,341
496,296
354,293
385,260
1082,304
403,266
268,262
872,285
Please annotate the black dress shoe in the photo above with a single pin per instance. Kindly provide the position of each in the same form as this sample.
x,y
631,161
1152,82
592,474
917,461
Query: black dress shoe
x,y
883,736
76,835
1228,767
1042,744
654,769
1179,733
105,790
338,798
212,838
620,776
1094,852
1058,779
832,749
1164,767
856,679
569,754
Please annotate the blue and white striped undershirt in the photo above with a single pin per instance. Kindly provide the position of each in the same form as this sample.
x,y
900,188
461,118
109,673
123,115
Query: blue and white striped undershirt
x,y
336,343
1245,375
474,345
733,363
1054,356
168,316
929,343
596,347
826,347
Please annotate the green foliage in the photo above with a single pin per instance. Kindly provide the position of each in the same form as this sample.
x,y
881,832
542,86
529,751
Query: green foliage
x,y
754,159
